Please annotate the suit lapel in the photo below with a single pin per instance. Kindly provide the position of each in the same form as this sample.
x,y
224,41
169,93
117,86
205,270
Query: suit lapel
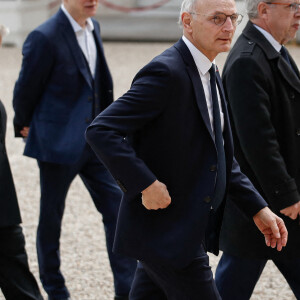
x,y
201,101
200,97
197,83
288,74
294,65
100,54
70,37
97,36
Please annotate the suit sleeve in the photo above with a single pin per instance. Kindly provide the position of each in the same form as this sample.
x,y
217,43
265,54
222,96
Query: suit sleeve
x,y
243,193
247,90
36,67
144,102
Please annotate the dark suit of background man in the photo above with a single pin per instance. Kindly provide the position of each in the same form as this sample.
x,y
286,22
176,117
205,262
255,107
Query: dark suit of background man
x,y
163,143
63,84
262,85
16,280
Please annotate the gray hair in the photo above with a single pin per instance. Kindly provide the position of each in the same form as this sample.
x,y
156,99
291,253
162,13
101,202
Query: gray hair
x,y
251,6
186,6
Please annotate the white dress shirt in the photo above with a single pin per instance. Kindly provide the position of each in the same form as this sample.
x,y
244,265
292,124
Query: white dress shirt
x,y
85,40
277,46
203,65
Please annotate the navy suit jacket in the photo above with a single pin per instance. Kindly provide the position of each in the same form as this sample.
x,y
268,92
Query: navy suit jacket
x,y
160,129
54,94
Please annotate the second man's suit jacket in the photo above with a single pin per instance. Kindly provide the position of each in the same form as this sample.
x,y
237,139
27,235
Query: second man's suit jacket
x,y
160,129
263,92
55,94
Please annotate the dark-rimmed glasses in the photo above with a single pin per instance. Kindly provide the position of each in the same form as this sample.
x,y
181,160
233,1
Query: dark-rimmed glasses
x,y
294,7
220,18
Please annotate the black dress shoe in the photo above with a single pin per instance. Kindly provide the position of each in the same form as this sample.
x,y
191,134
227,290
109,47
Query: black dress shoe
x,y
121,298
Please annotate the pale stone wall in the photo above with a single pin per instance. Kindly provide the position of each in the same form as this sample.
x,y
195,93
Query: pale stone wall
x,y
160,24
22,16
157,24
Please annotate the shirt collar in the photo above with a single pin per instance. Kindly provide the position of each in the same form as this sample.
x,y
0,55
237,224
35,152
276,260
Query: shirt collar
x,y
277,46
202,62
76,27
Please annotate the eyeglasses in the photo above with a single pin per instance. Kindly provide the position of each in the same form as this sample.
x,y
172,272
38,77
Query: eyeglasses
x,y
220,18
294,7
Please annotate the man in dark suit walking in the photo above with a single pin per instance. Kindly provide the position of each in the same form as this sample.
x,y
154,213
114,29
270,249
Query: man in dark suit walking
x,y
16,280
168,144
262,84
63,84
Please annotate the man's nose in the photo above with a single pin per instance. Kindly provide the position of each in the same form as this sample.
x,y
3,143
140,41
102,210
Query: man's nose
x,y
228,26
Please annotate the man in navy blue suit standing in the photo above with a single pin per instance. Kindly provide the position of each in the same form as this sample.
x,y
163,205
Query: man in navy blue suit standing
x,y
168,144
63,84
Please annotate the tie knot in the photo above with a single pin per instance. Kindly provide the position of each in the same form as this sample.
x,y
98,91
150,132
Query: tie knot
x,y
284,53
283,50
285,56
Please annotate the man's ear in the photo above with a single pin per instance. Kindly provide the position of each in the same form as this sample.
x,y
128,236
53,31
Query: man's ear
x,y
187,19
263,10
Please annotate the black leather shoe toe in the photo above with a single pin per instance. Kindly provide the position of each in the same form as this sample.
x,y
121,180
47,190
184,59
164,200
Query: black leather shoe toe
x,y
121,298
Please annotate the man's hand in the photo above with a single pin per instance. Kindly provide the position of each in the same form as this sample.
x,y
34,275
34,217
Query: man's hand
x,y
156,196
272,227
25,131
292,211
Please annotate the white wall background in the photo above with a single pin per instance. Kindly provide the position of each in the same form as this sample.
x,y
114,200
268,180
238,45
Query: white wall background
x,y
160,24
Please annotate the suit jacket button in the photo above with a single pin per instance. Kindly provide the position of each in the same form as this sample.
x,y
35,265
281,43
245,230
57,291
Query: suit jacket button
x,y
292,95
90,99
207,199
298,131
213,168
87,120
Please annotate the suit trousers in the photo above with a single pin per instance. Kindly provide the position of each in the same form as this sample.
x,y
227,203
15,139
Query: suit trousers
x,y
16,280
236,277
55,180
154,281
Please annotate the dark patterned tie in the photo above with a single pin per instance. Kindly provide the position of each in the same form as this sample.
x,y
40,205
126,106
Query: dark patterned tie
x,y
284,54
221,175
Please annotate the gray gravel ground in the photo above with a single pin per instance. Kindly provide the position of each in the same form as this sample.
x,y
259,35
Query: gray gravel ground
x,y
84,259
